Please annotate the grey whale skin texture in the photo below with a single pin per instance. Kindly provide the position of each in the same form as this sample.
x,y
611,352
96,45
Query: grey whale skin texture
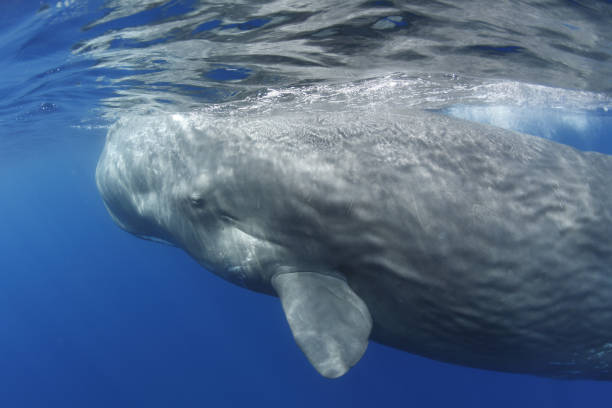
x,y
456,241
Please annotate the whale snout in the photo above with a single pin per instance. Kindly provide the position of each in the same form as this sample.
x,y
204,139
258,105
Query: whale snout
x,y
129,198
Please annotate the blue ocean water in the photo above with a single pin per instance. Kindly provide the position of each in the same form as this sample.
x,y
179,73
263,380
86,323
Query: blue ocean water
x,y
91,316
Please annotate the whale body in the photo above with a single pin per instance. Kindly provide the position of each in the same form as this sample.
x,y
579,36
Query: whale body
x,y
456,241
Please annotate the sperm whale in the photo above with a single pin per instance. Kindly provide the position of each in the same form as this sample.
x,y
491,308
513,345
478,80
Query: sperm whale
x,y
457,241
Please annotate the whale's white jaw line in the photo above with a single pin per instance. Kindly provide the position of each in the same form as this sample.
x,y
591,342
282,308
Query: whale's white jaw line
x,y
156,240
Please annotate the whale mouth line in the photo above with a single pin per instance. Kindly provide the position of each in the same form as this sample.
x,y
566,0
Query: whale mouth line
x,y
155,239
229,218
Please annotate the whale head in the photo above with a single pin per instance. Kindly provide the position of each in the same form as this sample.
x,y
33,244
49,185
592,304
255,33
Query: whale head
x,y
156,188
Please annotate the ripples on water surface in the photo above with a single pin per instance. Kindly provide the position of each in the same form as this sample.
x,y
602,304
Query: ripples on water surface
x,y
63,59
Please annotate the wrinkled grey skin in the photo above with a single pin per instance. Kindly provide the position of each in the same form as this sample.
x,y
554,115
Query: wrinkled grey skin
x,y
465,243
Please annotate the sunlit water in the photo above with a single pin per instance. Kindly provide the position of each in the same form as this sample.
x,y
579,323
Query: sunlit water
x,y
69,69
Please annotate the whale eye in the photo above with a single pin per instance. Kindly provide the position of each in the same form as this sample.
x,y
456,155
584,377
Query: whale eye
x,y
196,200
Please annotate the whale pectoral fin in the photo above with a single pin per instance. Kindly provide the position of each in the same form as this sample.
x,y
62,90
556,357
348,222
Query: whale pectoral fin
x,y
330,323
